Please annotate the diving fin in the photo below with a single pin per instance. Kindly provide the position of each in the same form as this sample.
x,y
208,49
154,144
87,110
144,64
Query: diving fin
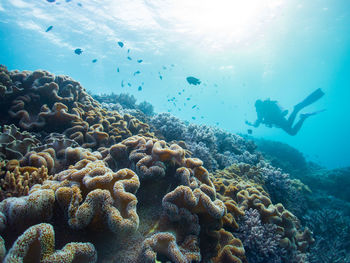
x,y
314,96
305,115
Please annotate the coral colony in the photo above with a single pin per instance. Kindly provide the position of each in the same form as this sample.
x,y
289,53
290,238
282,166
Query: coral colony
x,y
103,179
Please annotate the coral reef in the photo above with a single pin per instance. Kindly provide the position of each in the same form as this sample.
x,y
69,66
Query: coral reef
x,y
283,156
108,180
243,194
217,148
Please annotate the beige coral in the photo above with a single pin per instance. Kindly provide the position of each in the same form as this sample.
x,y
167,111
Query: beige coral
x,y
37,244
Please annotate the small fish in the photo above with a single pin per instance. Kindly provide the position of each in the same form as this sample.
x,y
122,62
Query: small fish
x,y
215,85
183,90
193,118
129,84
67,1
194,106
188,98
142,83
121,44
128,50
129,58
136,72
49,28
139,60
160,76
202,117
117,69
139,88
122,84
179,93
164,67
193,81
172,65
250,131
51,1
78,51
94,60
79,4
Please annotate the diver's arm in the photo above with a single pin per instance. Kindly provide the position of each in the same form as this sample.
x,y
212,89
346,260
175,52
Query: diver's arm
x,y
255,124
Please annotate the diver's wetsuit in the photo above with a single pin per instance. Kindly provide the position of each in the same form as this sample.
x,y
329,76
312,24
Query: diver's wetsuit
x,y
271,114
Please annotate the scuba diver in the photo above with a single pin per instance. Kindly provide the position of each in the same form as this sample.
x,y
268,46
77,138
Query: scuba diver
x,y
271,114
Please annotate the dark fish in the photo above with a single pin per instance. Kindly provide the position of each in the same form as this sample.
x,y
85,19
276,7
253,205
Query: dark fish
x,y
179,93
193,118
188,98
139,88
160,76
137,72
67,1
128,50
164,67
51,1
78,51
194,106
49,28
117,69
139,61
122,83
129,84
202,117
79,4
183,90
193,80
129,58
94,60
121,44
250,131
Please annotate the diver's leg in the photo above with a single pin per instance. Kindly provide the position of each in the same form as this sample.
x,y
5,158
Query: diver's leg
x,y
292,116
294,130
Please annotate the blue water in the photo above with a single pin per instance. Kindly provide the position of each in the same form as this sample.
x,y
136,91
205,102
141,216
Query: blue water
x,y
241,51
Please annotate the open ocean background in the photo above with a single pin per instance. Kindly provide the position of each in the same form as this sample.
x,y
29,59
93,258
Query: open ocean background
x,y
240,50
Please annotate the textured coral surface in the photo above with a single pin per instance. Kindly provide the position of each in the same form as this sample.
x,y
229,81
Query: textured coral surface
x,y
84,183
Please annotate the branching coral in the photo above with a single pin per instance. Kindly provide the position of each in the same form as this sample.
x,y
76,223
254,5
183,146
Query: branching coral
x,y
18,181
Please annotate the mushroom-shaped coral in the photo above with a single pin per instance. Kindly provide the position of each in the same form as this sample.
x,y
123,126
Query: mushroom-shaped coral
x,y
163,246
37,244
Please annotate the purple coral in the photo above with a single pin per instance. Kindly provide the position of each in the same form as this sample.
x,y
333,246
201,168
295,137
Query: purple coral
x,y
261,241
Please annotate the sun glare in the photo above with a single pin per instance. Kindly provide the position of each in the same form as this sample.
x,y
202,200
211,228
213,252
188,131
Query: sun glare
x,y
224,20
